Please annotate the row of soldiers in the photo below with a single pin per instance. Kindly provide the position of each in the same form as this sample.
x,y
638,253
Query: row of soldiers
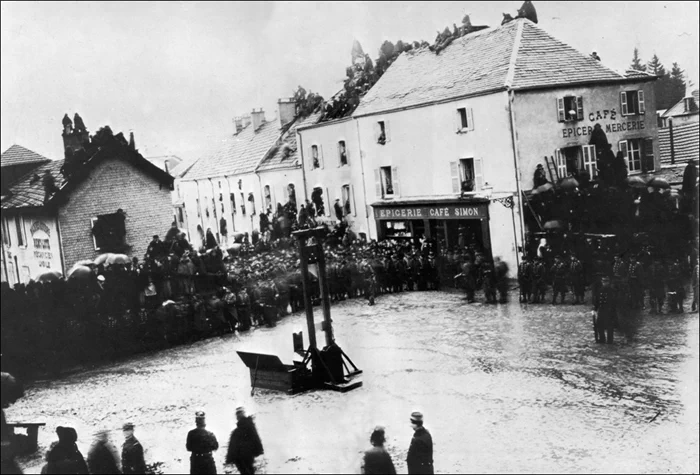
x,y
534,278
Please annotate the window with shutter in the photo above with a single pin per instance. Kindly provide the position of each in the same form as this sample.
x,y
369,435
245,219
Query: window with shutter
x,y
387,130
454,175
478,174
315,159
623,103
470,119
345,196
560,109
395,180
622,147
459,121
321,158
342,154
640,100
6,232
634,155
381,132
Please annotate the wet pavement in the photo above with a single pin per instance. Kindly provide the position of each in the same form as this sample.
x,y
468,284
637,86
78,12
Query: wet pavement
x,y
503,388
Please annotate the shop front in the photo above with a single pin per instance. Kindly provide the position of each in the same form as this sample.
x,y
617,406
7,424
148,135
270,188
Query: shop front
x,y
451,223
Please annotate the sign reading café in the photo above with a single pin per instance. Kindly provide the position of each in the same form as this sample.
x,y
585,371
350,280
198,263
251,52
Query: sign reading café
x,y
432,212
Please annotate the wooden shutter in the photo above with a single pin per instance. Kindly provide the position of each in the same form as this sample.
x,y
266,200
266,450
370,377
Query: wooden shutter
x,y
454,175
560,109
352,197
470,119
310,159
347,153
478,174
561,164
395,183
387,131
589,159
330,208
579,108
640,97
377,183
648,153
623,102
320,156
339,159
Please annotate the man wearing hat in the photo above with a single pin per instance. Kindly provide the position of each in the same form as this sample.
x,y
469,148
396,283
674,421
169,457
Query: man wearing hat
x,y
244,444
132,452
420,452
201,443
540,177
338,210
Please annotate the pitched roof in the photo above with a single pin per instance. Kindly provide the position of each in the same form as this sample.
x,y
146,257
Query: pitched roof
x,y
276,159
240,153
17,155
678,108
28,191
518,55
172,160
686,143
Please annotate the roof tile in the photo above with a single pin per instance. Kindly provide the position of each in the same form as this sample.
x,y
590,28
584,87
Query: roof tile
x,y
17,154
28,191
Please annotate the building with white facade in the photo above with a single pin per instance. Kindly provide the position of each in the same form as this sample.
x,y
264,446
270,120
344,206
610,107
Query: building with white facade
x,y
480,116
333,169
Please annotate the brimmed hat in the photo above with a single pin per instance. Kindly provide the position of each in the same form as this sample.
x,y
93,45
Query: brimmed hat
x,y
200,415
128,426
416,417
240,409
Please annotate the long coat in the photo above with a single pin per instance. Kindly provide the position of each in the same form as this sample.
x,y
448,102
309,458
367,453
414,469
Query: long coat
x,y
132,456
420,453
245,443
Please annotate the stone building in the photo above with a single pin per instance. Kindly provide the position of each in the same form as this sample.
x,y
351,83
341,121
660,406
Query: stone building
x,y
102,197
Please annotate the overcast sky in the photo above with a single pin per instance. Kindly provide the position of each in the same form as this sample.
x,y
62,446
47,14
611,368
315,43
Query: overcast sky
x,y
177,73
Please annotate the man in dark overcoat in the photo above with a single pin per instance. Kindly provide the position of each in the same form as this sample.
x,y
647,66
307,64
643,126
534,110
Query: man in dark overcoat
x,y
201,443
244,444
605,308
132,452
420,452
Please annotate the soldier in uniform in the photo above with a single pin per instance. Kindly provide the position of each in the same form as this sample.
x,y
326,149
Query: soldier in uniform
x,y
268,301
525,277
244,444
411,271
657,284
488,281
539,279
577,279
676,290
201,443
560,273
604,311
501,278
420,452
132,452
636,284
468,274
243,310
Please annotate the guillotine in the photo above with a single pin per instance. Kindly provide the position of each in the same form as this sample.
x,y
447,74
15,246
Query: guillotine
x,y
326,368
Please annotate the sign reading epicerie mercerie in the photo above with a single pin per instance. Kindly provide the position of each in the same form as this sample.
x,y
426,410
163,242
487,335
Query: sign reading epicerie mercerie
x,y
432,212
613,127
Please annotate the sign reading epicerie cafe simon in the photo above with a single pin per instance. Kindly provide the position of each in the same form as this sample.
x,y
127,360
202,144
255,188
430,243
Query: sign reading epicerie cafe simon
x,y
432,212
612,127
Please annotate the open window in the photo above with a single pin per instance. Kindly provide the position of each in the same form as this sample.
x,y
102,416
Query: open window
x,y
316,157
386,182
569,161
342,153
268,198
632,102
292,195
243,208
570,108
345,193
467,175
317,200
232,197
21,236
109,232
464,120
381,132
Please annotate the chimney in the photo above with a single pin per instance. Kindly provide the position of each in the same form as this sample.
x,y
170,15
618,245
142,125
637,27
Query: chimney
x,y
258,118
132,142
238,123
246,120
74,134
286,111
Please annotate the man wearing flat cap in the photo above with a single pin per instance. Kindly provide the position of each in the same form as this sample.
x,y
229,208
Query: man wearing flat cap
x,y
201,443
420,452
244,444
132,452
